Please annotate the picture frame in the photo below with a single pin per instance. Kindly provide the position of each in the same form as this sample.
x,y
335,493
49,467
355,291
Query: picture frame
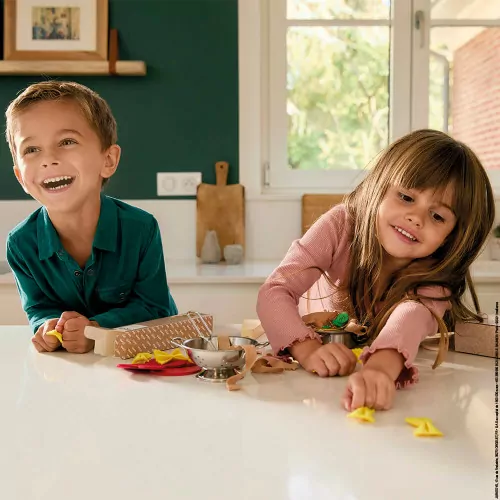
x,y
50,30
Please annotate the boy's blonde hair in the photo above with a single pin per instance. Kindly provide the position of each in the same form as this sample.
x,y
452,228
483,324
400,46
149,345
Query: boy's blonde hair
x,y
94,108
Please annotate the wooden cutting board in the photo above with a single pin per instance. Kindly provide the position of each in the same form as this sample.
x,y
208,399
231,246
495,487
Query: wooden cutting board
x,y
220,207
315,205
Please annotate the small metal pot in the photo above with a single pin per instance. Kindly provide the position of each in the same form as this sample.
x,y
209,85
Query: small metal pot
x,y
340,338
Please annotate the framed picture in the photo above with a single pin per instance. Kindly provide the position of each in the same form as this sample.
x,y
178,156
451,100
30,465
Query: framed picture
x,y
56,30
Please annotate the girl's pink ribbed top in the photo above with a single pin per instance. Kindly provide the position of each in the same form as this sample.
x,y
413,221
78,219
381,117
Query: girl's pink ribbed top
x,y
326,248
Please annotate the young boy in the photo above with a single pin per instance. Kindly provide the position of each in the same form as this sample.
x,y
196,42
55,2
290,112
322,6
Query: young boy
x,y
82,258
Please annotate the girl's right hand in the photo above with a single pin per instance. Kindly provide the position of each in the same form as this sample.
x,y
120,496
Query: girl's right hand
x,y
369,387
325,360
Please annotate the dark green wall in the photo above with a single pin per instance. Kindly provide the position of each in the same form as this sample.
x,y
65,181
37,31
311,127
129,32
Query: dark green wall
x,y
183,116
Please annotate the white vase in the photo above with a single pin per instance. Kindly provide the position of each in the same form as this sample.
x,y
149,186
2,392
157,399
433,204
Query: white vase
x,y
210,251
495,249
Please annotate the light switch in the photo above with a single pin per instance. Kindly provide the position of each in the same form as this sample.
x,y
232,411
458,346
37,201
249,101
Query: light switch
x,y
177,183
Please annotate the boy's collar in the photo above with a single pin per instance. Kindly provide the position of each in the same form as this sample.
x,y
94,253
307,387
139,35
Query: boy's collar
x,y
107,226
48,240
104,239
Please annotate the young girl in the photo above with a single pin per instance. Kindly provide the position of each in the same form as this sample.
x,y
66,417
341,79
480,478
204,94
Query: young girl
x,y
396,256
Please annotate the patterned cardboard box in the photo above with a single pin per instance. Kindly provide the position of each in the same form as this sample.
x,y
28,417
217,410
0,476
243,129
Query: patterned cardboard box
x,y
478,338
125,342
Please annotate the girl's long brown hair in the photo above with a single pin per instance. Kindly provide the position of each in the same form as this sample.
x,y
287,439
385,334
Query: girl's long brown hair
x,y
424,159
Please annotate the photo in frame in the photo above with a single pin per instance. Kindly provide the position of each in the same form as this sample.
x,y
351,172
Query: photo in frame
x,y
56,30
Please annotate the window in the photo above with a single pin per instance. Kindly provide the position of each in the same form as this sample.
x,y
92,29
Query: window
x,y
343,78
456,74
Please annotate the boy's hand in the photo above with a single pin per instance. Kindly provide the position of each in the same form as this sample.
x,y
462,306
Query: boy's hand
x,y
369,387
43,342
325,360
72,325
64,317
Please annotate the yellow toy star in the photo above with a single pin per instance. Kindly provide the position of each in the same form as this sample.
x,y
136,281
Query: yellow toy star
x,y
424,427
55,333
364,414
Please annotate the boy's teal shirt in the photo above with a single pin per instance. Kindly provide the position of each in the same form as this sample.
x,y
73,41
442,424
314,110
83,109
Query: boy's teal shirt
x,y
123,282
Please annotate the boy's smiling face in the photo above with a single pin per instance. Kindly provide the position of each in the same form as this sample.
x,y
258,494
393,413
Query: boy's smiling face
x,y
59,157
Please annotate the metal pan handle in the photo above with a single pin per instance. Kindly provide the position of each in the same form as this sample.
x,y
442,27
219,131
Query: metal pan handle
x,y
176,340
261,345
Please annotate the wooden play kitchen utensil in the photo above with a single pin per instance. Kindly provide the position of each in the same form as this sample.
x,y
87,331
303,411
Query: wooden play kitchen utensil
x,y
220,208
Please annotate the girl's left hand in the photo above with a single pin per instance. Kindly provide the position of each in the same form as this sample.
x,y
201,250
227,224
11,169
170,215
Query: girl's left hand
x,y
369,387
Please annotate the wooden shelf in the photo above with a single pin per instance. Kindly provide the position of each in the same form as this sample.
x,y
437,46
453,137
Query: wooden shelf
x,y
71,68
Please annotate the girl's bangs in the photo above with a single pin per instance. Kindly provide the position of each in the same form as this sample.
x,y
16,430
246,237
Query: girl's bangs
x,y
437,174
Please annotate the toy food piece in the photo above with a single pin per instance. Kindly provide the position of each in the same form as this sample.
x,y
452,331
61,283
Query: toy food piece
x,y
163,357
223,343
424,427
416,421
341,320
338,322
142,357
357,352
364,414
333,321
55,333
354,327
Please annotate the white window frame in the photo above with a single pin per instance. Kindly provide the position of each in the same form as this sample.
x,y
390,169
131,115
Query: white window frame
x,y
420,57
251,56
279,175
255,132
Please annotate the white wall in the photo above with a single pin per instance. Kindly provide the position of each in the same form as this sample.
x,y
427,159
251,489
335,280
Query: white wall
x,y
271,225
177,220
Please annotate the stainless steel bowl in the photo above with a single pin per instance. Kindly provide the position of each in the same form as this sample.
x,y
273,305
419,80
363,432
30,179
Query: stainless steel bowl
x,y
340,338
217,366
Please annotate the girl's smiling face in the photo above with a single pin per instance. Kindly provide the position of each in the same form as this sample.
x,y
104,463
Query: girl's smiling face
x,y
413,224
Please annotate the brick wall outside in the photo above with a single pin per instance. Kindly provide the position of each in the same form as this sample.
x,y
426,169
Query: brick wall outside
x,y
475,104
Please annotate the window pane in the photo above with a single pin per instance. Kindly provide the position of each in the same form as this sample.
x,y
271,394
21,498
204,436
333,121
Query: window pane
x,y
338,9
466,9
471,58
338,96
439,74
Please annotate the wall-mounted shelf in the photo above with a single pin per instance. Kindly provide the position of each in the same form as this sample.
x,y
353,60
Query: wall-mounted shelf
x,y
71,68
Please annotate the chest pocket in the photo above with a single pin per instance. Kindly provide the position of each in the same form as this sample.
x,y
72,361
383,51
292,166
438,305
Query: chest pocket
x,y
116,295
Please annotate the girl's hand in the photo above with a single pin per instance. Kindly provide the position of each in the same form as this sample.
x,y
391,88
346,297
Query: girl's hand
x,y
329,360
369,387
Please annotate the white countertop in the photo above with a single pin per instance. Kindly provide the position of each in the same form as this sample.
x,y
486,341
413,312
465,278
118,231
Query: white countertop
x,y
190,271
75,426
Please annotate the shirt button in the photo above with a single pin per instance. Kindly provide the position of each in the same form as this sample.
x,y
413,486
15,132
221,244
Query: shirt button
x,y
122,295
78,273
90,272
